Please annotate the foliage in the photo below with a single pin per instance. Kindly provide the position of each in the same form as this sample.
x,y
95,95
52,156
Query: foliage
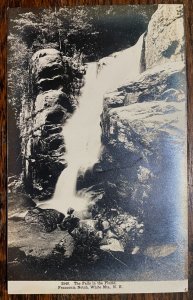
x,y
86,243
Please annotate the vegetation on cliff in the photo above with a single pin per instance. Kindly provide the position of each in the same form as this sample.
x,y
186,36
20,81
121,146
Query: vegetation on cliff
x,y
76,32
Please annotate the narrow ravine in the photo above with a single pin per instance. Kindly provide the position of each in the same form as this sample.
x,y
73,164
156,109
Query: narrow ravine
x,y
82,133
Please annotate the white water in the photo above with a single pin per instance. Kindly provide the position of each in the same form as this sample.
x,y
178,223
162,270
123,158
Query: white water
x,y
82,132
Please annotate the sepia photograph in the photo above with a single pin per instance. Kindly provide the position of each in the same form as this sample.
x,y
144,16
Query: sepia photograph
x,y
97,150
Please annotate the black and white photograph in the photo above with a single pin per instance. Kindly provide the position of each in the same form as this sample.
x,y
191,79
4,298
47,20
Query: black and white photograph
x,y
97,150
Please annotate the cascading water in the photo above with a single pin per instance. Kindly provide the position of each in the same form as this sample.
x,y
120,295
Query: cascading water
x,y
82,132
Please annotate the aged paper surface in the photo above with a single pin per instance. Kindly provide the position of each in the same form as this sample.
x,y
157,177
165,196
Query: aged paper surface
x,y
97,150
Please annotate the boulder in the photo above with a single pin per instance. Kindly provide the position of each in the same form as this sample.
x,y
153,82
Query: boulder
x,y
48,69
45,219
105,225
113,245
69,223
51,98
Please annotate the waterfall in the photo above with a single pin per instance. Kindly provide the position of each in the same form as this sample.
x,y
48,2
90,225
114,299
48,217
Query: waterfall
x,y
82,132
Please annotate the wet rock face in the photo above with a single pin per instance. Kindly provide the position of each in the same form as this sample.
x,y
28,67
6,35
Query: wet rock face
x,y
165,25
41,127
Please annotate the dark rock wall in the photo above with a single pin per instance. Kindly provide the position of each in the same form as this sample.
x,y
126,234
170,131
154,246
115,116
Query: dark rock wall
x,y
43,143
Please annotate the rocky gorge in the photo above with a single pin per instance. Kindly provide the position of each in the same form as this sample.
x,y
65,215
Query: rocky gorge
x,y
138,180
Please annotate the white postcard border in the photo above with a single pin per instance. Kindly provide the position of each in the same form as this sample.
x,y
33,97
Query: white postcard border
x,y
96,287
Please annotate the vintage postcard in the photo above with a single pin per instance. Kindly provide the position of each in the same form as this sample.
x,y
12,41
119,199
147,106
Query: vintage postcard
x,y
97,150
